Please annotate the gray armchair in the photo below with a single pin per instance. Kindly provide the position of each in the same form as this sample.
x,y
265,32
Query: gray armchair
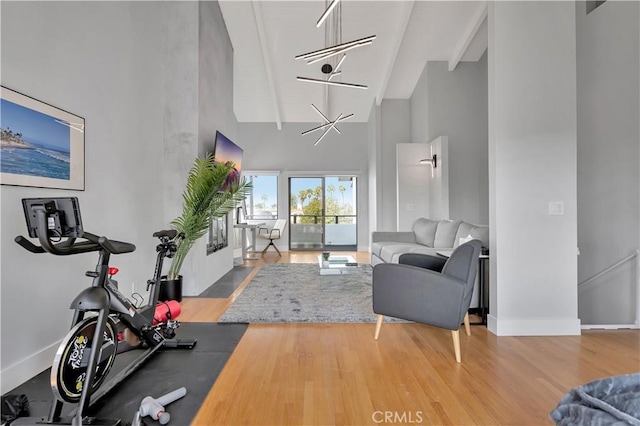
x,y
439,298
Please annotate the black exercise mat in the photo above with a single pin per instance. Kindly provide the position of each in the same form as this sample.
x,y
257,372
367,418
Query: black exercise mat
x,y
229,282
196,369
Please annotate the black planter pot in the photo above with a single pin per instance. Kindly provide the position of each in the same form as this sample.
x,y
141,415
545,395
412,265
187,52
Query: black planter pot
x,y
170,289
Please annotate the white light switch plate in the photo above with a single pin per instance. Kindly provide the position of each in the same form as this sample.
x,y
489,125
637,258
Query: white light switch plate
x,y
556,208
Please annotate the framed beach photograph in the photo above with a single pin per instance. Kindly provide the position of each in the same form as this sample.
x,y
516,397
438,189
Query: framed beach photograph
x,y
41,145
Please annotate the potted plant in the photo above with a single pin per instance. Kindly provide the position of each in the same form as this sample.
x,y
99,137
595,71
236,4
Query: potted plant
x,y
213,190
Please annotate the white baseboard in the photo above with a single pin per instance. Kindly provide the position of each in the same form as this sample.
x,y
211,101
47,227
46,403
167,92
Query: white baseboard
x,y
237,252
610,327
18,373
533,326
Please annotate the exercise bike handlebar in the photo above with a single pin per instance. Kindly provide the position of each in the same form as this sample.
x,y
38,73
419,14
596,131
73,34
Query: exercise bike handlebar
x,y
28,245
65,248
92,243
115,247
70,246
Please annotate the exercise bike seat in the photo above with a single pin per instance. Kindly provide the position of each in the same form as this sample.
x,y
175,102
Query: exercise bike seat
x,y
169,233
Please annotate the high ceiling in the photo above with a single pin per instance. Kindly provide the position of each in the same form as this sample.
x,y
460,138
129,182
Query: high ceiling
x,y
267,35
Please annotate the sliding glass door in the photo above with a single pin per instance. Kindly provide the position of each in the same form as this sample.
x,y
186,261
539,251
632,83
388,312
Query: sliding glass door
x,y
306,210
322,213
340,213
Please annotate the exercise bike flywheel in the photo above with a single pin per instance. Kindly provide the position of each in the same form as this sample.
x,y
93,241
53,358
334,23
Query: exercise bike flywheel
x,y
69,368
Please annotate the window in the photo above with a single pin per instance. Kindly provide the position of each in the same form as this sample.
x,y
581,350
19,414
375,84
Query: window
x,y
262,202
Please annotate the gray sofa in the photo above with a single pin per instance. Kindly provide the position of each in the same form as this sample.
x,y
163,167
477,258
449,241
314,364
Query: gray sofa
x,y
427,237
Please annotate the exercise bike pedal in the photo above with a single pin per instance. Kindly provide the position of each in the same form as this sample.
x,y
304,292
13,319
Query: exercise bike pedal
x,y
180,343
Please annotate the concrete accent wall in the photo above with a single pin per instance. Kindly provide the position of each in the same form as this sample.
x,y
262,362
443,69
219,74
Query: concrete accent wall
x,y
180,136
608,46
532,116
180,124
290,153
199,101
215,88
215,112
395,127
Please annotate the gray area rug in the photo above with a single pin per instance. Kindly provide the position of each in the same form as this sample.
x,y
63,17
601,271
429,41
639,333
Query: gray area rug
x,y
297,293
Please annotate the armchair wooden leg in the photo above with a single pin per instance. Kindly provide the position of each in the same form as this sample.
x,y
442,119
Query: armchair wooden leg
x,y
456,344
378,326
467,325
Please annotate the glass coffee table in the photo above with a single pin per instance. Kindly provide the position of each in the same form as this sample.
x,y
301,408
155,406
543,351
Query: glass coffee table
x,y
337,265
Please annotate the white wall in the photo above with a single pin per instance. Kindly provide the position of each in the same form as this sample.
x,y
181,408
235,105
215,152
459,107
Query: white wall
x,y
412,183
419,102
458,108
454,103
395,127
113,79
532,161
374,160
151,92
608,45
439,193
287,151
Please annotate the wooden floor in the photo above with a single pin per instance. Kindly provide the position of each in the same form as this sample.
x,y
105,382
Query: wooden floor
x,y
326,374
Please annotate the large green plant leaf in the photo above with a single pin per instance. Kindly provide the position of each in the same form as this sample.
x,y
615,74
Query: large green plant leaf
x,y
209,194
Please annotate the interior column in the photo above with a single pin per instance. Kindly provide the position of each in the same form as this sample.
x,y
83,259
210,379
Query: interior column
x,y
532,168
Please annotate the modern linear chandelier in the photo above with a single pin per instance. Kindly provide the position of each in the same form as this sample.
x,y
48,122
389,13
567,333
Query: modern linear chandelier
x,y
331,66
328,124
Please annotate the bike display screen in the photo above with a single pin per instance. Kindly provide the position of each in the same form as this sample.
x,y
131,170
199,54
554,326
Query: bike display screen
x,y
62,216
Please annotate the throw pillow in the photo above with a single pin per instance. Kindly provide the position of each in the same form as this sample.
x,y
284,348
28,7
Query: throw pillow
x,y
481,233
425,231
446,233
463,230
478,232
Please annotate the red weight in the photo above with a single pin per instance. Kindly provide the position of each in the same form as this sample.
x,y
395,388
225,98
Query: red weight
x,y
166,311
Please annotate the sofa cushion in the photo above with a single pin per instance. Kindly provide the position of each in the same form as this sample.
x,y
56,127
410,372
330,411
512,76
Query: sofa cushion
x,y
391,251
425,231
464,230
425,250
477,232
446,233
377,247
481,233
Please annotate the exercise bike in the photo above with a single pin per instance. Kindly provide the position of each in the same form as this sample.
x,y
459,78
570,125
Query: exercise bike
x,y
85,356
